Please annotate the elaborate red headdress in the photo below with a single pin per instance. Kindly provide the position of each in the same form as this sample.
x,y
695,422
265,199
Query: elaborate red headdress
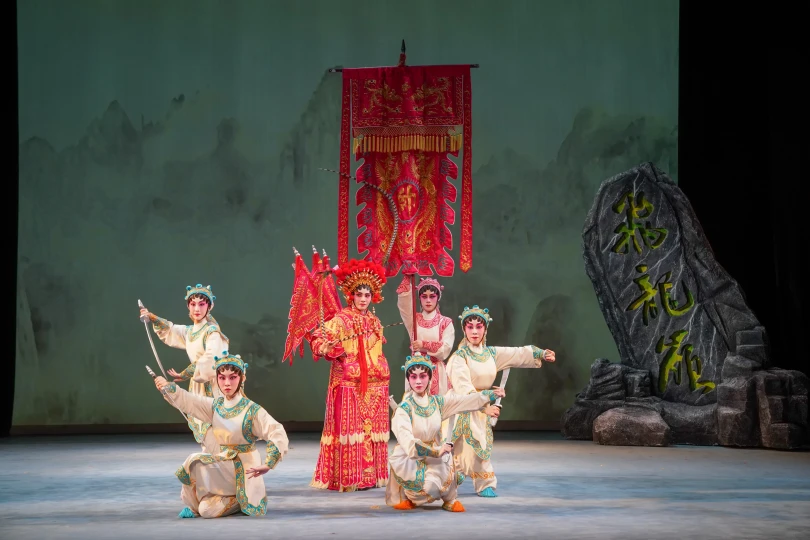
x,y
356,273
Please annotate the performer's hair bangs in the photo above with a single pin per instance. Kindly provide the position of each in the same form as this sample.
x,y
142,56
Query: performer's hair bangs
x,y
199,296
414,368
360,286
229,367
431,288
474,318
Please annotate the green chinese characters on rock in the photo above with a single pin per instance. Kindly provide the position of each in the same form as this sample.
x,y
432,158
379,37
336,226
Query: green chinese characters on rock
x,y
676,355
647,301
636,208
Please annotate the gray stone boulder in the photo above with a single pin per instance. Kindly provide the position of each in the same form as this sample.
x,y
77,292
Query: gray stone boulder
x,y
631,426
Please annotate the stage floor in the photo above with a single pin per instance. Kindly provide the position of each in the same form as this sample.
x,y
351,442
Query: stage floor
x,y
121,487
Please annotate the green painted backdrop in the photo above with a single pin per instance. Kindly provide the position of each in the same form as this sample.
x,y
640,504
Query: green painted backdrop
x,y
165,144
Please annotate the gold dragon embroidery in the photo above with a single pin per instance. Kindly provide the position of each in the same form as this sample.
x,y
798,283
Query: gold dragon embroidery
x,y
431,96
422,168
381,97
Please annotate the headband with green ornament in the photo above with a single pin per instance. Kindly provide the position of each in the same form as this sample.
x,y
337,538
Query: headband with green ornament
x,y
417,360
475,311
199,289
234,360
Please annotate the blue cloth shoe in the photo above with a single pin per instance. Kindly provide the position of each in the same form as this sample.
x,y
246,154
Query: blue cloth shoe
x,y
186,513
489,492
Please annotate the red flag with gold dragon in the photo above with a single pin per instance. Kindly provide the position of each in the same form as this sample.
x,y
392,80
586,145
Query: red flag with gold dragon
x,y
403,123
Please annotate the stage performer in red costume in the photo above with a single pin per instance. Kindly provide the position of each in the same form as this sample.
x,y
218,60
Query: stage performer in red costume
x,y
354,442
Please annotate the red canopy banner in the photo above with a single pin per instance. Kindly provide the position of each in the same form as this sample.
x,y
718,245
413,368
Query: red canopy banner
x,y
403,122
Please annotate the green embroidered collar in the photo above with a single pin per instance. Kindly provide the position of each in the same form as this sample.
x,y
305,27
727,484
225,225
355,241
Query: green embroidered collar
x,y
225,412
479,357
424,412
193,336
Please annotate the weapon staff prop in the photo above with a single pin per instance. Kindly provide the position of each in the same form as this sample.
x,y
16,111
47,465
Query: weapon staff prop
x,y
402,49
145,320
392,206
504,378
165,393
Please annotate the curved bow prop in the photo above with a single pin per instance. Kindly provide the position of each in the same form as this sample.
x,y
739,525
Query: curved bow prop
x,y
391,206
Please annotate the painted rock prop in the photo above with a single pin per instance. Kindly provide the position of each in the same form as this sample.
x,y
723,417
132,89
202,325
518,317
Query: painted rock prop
x,y
678,317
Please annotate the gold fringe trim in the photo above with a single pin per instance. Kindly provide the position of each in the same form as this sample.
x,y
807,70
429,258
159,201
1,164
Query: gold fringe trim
x,y
356,438
381,482
405,143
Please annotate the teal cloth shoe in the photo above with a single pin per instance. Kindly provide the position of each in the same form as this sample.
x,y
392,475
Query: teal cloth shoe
x,y
489,492
186,513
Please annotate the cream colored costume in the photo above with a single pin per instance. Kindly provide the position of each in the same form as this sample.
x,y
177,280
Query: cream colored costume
x,y
419,473
201,342
217,484
472,369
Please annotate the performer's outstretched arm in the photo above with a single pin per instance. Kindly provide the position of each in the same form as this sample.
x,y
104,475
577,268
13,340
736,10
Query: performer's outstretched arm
x,y
200,407
405,304
527,356
454,404
169,333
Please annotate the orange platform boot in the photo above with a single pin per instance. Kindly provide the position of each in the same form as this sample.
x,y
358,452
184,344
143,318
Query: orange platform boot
x,y
455,506
407,504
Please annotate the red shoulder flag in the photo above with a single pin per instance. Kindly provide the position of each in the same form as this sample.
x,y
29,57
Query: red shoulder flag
x,y
311,290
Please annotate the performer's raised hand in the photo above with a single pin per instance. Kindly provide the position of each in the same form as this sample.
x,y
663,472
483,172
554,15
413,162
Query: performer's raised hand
x,y
177,376
327,347
492,410
257,471
405,285
161,383
417,345
145,313
446,449
549,356
497,390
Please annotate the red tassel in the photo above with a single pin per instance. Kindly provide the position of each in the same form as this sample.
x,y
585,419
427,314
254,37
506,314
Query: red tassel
x,y
361,359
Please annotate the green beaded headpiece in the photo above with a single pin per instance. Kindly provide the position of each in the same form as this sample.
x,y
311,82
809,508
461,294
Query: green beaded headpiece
x,y
475,310
417,360
230,360
199,289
